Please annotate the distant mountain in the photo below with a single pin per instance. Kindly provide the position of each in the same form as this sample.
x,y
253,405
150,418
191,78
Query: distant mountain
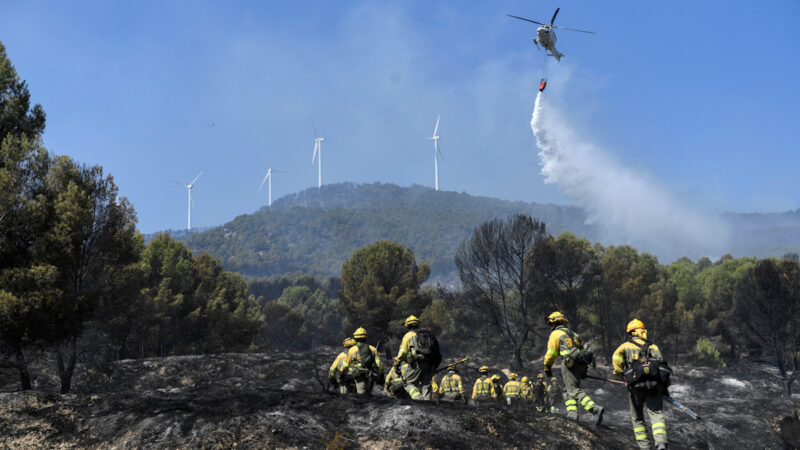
x,y
316,230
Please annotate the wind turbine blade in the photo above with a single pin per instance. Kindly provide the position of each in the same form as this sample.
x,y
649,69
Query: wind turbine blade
x,y
264,181
178,183
195,179
437,124
315,129
314,157
439,151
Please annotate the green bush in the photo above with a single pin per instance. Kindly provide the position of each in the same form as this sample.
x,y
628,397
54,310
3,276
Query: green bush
x,y
705,354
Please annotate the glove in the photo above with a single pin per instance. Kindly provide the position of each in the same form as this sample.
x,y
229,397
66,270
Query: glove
x,y
548,372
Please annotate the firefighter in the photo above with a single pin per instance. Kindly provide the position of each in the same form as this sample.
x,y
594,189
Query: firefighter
x,y
420,350
394,386
338,377
541,393
512,391
526,392
363,360
642,366
566,344
483,389
451,389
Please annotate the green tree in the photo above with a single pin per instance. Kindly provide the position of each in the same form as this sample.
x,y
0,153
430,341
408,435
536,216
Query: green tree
x,y
92,235
380,286
17,117
625,282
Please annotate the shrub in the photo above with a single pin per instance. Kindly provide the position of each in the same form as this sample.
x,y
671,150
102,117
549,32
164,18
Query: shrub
x,y
705,354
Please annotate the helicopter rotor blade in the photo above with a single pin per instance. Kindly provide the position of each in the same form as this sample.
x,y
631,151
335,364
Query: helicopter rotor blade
x,y
573,29
527,20
554,16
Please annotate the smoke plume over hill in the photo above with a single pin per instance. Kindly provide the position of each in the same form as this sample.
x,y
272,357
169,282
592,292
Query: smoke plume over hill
x,y
629,207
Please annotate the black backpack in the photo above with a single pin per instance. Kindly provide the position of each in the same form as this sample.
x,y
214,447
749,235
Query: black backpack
x,y
425,347
647,372
365,355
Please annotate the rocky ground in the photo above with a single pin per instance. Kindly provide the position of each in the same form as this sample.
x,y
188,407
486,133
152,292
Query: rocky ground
x,y
276,401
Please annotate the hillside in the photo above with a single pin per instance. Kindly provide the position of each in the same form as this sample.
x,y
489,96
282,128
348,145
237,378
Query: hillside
x,y
314,231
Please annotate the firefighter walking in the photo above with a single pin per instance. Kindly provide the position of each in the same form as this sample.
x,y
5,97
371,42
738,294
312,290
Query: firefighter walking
x,y
566,344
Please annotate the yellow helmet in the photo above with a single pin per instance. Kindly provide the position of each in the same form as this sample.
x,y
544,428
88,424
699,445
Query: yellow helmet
x,y
495,377
540,376
360,333
557,317
412,321
524,380
635,324
554,379
483,369
348,342
513,376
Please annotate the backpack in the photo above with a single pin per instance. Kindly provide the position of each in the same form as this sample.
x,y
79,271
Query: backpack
x,y
425,347
577,353
646,372
366,356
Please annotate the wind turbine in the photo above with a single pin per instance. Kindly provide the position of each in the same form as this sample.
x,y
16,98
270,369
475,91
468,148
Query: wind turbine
x,y
268,177
436,153
317,150
189,188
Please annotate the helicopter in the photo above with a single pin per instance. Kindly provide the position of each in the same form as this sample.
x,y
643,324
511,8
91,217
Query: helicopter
x,y
546,37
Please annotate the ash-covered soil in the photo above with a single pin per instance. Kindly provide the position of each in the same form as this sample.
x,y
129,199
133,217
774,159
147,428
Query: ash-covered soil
x,y
275,401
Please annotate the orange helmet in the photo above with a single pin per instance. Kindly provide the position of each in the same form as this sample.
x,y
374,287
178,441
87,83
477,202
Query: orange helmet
x,y
635,324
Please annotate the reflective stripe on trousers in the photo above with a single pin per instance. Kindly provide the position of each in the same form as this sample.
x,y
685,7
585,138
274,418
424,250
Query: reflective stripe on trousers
x,y
640,433
659,428
587,403
572,405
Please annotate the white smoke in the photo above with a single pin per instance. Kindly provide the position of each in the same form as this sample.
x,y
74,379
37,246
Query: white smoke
x,y
628,207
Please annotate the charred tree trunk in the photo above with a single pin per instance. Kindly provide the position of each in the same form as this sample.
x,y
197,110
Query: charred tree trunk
x,y
65,371
22,367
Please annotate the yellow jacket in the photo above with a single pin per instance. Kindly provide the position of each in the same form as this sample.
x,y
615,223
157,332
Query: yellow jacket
x,y
451,383
336,367
562,341
526,391
512,389
353,359
405,347
483,388
626,353
393,378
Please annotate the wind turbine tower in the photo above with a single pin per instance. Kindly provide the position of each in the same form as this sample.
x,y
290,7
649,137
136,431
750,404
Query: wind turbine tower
x,y
436,153
317,151
268,180
189,188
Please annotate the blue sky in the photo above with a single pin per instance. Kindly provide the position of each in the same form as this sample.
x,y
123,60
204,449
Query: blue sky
x,y
701,96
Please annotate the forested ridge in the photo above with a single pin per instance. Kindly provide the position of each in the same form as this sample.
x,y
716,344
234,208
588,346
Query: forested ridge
x,y
314,231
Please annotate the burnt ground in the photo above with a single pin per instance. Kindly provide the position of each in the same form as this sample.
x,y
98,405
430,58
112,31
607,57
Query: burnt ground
x,y
275,401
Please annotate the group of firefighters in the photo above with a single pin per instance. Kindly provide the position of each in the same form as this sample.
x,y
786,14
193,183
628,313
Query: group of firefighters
x,y
637,361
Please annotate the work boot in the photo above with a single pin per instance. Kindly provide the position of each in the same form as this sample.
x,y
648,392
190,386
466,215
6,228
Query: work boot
x,y
598,414
661,446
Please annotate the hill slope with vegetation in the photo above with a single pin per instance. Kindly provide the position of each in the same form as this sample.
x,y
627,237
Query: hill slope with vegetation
x,y
315,230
